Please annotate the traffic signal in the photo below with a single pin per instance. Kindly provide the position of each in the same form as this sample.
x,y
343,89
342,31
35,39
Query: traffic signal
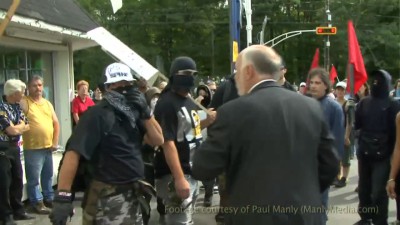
x,y
325,30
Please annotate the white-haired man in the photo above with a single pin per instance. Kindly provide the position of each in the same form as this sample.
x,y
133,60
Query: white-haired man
x,y
279,131
13,124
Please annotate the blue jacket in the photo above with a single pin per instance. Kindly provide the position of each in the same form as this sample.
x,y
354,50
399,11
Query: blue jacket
x,y
333,113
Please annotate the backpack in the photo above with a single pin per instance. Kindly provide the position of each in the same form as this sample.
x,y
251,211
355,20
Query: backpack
x,y
375,145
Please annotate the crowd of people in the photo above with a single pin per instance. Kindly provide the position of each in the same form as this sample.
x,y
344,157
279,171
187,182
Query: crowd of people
x,y
265,143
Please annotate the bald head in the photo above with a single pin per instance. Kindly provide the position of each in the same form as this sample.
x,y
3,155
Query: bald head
x,y
264,60
254,64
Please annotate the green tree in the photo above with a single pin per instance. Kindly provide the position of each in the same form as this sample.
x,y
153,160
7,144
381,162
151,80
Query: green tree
x,y
160,30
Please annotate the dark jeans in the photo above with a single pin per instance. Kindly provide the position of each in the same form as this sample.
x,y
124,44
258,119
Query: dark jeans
x,y
374,201
208,188
10,182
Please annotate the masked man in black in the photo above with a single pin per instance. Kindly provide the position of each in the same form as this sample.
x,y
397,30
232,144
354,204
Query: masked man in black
x,y
109,136
181,126
375,118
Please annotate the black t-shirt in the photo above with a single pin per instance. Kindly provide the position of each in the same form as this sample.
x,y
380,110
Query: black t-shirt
x,y
225,92
180,123
104,137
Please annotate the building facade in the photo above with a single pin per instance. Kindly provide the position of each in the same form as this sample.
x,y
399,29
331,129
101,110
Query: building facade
x,y
40,40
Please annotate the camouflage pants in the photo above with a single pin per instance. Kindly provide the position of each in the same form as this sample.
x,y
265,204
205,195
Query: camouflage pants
x,y
178,212
106,205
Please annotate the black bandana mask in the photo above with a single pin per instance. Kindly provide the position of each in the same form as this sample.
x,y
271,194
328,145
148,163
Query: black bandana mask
x,y
123,90
182,82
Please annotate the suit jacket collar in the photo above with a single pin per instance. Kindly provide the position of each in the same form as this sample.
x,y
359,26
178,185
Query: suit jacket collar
x,y
265,84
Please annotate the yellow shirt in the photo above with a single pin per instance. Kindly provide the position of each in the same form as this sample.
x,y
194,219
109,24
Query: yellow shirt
x,y
40,117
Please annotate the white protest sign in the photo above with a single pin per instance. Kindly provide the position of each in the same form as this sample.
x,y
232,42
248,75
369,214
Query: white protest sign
x,y
122,52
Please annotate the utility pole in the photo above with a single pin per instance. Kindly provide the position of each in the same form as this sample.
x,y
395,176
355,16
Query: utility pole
x,y
249,26
327,42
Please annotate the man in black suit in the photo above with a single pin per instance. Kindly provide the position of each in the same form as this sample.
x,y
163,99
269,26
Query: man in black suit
x,y
274,146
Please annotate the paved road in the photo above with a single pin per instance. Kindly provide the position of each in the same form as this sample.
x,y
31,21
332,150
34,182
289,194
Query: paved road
x,y
343,205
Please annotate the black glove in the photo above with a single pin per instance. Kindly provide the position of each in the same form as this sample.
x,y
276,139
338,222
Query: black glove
x,y
62,208
136,100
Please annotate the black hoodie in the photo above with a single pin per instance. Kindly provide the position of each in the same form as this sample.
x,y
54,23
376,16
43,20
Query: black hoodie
x,y
380,86
377,113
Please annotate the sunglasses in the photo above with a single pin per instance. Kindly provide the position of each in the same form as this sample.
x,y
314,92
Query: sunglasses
x,y
187,72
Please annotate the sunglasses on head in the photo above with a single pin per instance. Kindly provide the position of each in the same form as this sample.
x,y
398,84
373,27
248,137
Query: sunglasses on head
x,y
187,72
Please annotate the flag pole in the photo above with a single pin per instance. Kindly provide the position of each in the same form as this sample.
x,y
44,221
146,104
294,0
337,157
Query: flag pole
x,y
351,107
351,81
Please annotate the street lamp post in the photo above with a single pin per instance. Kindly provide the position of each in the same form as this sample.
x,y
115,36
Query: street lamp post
x,y
327,42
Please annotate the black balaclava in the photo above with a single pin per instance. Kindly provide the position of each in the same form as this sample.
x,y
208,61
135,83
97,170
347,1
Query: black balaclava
x,y
182,82
380,85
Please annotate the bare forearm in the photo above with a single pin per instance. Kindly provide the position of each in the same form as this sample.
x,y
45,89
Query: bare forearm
x,y
154,132
68,170
348,131
56,133
205,123
76,117
395,163
17,129
172,158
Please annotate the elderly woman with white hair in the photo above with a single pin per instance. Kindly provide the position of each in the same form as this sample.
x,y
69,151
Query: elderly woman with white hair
x,y
12,124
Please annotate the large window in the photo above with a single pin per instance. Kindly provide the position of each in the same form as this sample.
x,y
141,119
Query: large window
x,y
22,64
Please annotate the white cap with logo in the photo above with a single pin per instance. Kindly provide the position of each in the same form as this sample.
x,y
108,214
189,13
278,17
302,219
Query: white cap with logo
x,y
117,72
341,84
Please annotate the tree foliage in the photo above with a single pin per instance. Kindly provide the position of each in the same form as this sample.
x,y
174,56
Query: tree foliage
x,y
160,30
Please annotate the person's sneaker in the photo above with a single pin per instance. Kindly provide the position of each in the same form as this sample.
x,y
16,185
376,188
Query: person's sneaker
x,y
23,216
207,201
48,204
335,182
341,183
215,190
220,218
40,208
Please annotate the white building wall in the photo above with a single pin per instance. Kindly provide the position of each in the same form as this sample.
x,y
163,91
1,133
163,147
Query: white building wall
x,y
63,74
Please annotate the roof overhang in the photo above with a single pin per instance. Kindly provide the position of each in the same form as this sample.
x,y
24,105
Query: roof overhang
x,y
33,30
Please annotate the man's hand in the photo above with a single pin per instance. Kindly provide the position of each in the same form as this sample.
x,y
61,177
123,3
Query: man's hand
x,y
62,208
199,99
390,189
347,142
54,147
350,103
136,100
182,188
211,115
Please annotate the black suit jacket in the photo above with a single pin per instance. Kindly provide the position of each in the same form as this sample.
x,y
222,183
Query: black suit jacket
x,y
278,155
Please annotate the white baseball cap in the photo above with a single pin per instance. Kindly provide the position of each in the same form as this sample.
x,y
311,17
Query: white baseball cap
x,y
302,84
341,84
117,72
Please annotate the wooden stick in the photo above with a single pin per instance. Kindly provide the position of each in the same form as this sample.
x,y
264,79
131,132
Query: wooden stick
x,y
9,15
200,105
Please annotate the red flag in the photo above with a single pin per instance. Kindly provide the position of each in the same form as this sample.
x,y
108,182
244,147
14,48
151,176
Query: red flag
x,y
333,74
355,58
315,61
